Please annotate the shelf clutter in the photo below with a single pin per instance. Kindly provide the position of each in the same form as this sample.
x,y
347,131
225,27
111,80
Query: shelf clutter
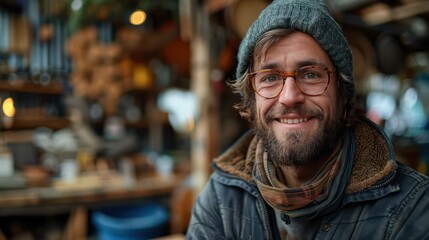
x,y
80,129
77,192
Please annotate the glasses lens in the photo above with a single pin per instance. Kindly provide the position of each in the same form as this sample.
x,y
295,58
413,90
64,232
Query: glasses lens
x,y
268,83
312,80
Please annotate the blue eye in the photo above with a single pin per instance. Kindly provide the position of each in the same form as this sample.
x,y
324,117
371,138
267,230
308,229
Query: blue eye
x,y
271,78
311,74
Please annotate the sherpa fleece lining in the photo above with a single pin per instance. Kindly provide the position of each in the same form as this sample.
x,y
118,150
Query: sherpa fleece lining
x,y
371,158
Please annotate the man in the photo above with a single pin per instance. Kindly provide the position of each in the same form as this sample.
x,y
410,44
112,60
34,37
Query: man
x,y
313,167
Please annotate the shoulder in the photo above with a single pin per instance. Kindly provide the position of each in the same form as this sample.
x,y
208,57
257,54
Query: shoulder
x,y
413,186
410,215
409,178
238,160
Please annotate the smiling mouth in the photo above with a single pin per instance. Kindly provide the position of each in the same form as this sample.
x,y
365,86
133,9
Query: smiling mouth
x,y
292,120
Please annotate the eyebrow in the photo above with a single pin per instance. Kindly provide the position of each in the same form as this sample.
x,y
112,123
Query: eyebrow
x,y
297,65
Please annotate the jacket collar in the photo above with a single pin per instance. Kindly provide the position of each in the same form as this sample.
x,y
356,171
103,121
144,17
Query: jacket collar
x,y
372,162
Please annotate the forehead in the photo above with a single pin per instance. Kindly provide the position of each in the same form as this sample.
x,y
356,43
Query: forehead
x,y
291,50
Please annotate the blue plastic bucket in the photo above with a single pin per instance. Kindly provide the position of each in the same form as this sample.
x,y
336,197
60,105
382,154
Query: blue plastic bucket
x,y
144,221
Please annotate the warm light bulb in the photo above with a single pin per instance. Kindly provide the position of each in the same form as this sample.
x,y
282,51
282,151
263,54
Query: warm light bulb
x,y
8,107
138,17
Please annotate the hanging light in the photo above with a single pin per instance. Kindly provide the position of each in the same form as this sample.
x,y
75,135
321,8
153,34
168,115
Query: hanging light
x,y
138,17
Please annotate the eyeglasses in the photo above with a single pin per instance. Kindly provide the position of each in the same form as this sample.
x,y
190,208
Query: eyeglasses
x,y
310,80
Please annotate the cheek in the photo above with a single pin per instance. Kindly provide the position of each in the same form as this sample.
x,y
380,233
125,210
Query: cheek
x,y
262,107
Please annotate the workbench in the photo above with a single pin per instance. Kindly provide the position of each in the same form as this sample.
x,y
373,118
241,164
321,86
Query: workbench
x,y
83,194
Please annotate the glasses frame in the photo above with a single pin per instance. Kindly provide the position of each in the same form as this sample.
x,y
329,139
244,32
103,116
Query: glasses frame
x,y
285,75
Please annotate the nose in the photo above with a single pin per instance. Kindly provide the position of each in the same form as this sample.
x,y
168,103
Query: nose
x,y
290,94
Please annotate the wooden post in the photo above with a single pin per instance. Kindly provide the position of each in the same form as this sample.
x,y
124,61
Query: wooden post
x,y
203,139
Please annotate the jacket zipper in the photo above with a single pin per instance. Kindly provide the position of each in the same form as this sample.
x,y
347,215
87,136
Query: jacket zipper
x,y
265,213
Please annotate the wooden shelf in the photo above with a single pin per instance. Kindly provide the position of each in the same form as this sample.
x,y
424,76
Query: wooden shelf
x,y
23,86
90,190
35,122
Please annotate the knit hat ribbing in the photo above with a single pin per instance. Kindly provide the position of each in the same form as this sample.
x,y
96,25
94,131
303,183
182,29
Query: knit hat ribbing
x,y
309,16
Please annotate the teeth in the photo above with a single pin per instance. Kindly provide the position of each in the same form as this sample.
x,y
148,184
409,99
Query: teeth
x,y
293,121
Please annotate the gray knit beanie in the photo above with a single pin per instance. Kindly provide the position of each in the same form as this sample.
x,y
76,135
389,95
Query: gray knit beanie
x,y
309,16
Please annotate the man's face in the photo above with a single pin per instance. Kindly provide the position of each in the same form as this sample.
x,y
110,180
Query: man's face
x,y
298,129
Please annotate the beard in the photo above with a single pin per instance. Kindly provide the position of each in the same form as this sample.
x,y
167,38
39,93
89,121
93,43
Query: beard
x,y
297,148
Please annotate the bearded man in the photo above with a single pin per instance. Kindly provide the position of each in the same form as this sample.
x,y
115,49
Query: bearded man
x,y
313,166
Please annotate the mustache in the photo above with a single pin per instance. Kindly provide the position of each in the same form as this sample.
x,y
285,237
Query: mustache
x,y
279,110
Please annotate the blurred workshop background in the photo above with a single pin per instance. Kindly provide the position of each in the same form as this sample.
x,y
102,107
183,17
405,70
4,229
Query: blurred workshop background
x,y
111,111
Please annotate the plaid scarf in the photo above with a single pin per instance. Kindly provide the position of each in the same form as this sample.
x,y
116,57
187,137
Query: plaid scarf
x,y
307,200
